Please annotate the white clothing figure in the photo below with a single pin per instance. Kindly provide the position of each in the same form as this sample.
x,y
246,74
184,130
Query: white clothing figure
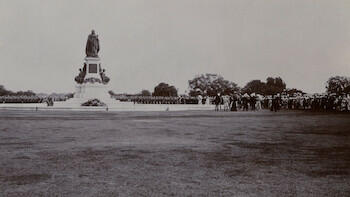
x,y
207,102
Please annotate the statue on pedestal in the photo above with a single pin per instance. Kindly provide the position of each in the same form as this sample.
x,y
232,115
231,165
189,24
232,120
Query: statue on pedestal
x,y
92,45
85,74
91,87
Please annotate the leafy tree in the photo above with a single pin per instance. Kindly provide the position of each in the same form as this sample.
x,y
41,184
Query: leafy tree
x,y
338,85
210,85
270,87
163,89
4,92
145,93
274,85
255,86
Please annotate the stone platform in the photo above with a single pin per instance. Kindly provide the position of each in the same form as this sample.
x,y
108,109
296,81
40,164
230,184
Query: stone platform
x,y
92,83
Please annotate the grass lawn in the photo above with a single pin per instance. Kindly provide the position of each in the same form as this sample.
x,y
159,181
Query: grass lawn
x,y
184,153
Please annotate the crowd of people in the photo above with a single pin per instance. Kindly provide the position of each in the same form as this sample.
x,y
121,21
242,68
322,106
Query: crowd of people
x,y
325,102
318,102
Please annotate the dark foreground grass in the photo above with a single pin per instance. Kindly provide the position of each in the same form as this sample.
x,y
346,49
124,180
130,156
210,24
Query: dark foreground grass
x,y
174,154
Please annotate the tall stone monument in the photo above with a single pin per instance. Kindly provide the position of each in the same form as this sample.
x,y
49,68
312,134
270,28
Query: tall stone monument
x,y
92,80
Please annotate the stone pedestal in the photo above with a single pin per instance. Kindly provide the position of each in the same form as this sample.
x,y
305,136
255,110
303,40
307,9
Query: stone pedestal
x,y
92,86
93,67
91,91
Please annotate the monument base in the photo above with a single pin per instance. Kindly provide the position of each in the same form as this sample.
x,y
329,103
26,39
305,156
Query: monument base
x,y
88,91
91,84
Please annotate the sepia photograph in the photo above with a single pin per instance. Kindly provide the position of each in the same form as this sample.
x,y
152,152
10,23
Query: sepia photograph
x,y
114,98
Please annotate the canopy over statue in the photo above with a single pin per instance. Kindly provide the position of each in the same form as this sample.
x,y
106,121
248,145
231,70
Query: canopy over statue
x,y
92,45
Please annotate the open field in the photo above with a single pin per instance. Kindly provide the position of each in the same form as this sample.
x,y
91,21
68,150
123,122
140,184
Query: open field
x,y
192,153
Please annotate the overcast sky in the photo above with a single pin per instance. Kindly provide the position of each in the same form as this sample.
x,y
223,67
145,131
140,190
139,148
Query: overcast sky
x,y
42,43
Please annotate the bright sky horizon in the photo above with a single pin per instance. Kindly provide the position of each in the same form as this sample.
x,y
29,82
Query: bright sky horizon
x,y
145,42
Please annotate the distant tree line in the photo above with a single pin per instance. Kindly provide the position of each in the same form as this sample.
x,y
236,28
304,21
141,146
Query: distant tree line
x,y
210,85
272,86
5,92
162,89
213,84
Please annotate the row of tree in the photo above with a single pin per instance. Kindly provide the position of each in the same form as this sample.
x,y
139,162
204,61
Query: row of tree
x,y
5,92
162,89
212,84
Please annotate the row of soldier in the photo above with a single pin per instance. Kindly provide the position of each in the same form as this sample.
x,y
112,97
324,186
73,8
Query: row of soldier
x,y
21,99
158,100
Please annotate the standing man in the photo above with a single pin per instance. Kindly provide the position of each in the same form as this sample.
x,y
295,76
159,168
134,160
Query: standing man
x,y
92,45
245,102
252,101
233,104
217,102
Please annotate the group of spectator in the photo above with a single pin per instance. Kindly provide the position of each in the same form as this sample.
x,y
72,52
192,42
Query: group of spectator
x,y
237,102
325,102
317,103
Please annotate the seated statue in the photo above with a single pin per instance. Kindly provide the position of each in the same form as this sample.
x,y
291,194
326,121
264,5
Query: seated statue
x,y
104,78
82,72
